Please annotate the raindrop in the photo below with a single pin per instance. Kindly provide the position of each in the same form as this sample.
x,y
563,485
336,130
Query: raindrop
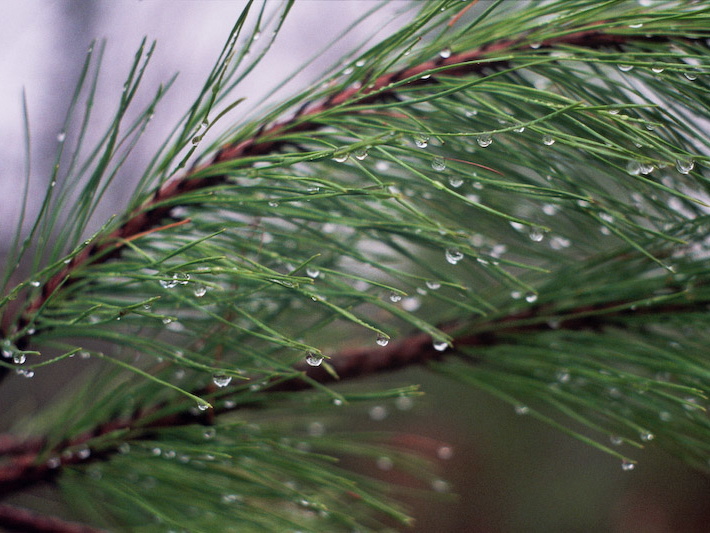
x,y
563,376
433,285
522,409
445,53
471,113
221,380
53,462
519,129
647,436
83,453
455,182
203,406
337,402
425,77
124,448
421,140
395,297
314,359
665,416
439,485
691,76
200,291
626,466
445,452
550,209
316,429
312,272
531,297
384,463
536,235
438,164
657,68
360,154
19,358
633,167
382,340
625,68
548,140
440,346
341,157
404,403
616,440
61,136
646,168
411,304
636,25
484,140
684,166
34,283
273,204
453,255
230,498
378,413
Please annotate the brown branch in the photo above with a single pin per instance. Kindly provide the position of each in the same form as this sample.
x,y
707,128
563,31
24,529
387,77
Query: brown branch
x,y
24,521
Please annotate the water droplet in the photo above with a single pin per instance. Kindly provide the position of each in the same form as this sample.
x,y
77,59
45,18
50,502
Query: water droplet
x,y
445,53
124,448
83,453
433,285
438,164
521,409
633,167
19,358
156,451
316,429
378,413
395,297
691,76
312,272
382,340
273,204
684,166
314,359
439,485
440,346
627,466
647,436
221,380
384,463
341,157
425,77
230,498
519,129
455,182
445,452
421,140
200,290
203,406
657,68
563,375
484,140
360,154
453,255
61,136
34,283
625,68
53,462
636,25
536,235
404,403
411,304
531,297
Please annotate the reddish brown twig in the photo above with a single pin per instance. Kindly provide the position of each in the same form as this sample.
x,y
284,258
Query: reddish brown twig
x,y
24,521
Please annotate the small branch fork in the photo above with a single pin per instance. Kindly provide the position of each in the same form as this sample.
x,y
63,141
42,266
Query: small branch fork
x,y
19,460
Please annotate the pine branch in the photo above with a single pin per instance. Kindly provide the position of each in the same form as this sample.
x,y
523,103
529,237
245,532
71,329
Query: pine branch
x,y
269,139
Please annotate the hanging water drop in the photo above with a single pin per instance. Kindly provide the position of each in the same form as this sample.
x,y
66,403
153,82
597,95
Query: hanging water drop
x,y
395,297
625,68
445,53
536,235
690,76
616,440
647,436
378,413
312,272
519,129
438,164
627,466
200,290
34,283
455,182
531,297
360,154
633,167
382,340
684,166
385,463
221,380
445,452
61,136
433,285
535,45
314,359
484,140
521,409
421,140
203,406
453,255
341,157
440,346
657,68
548,140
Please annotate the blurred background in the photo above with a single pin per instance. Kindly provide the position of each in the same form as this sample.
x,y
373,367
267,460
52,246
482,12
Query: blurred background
x,y
503,472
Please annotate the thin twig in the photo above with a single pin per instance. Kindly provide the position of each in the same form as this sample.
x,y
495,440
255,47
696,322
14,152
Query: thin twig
x,y
25,521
